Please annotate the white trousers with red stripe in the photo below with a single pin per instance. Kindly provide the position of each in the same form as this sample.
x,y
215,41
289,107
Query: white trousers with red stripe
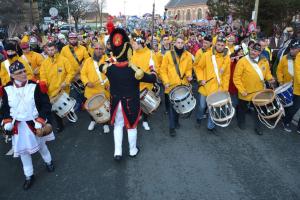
x,y
118,134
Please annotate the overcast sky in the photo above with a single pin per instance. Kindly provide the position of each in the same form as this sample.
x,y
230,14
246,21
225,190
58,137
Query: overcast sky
x,y
134,7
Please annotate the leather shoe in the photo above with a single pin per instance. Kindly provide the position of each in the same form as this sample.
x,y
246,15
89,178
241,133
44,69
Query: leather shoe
x,y
117,158
50,167
172,132
136,153
258,132
28,183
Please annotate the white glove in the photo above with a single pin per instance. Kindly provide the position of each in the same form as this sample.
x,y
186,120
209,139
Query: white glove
x,y
8,126
37,125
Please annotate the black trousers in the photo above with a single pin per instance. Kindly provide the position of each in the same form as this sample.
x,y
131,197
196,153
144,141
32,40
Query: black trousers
x,y
242,109
291,111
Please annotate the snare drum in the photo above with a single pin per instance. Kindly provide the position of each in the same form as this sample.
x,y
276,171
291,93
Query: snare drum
x,y
285,94
99,108
268,107
182,99
63,106
220,108
149,101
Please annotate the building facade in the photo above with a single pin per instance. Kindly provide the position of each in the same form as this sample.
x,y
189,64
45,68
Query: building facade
x,y
187,11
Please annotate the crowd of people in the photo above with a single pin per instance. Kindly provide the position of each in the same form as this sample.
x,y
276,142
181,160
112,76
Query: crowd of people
x,y
119,65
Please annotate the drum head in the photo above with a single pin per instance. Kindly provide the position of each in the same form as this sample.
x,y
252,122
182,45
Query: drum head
x,y
283,88
95,102
264,97
179,93
218,98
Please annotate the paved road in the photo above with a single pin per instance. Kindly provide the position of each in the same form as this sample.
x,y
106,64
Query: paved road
x,y
229,165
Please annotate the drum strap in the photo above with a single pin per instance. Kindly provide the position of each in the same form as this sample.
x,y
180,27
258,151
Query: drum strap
x,y
7,64
176,64
99,74
256,68
74,55
216,69
291,67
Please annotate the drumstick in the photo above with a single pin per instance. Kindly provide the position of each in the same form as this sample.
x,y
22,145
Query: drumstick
x,y
207,81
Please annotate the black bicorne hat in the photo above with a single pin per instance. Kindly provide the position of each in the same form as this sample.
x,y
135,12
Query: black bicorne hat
x,y
120,44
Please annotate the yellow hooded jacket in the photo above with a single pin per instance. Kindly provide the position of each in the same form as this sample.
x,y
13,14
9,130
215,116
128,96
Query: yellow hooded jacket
x,y
35,61
205,71
141,58
4,74
88,74
297,75
81,53
54,71
246,78
168,70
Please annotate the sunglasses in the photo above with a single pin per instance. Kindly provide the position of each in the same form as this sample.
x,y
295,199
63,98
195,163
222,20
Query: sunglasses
x,y
19,72
98,48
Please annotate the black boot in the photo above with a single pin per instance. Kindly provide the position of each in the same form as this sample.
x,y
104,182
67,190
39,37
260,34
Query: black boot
x,y
28,182
50,167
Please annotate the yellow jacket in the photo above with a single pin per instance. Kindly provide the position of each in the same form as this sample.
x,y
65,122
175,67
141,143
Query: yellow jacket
x,y
198,56
168,70
141,58
159,58
205,71
55,71
283,76
297,75
4,74
35,61
246,78
81,54
88,74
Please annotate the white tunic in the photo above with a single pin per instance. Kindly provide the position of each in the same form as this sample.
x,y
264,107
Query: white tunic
x,y
22,108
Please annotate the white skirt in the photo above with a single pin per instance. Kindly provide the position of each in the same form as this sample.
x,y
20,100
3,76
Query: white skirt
x,y
26,142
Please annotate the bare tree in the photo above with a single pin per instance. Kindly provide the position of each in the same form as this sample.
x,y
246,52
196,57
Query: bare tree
x,y
11,14
78,10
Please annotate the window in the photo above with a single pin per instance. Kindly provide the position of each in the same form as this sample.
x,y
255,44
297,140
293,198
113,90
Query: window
x,y
199,14
188,15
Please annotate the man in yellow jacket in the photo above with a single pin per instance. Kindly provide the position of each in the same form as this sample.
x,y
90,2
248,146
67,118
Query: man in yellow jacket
x,y
57,73
212,77
95,82
76,54
171,79
145,59
12,57
289,70
207,43
33,59
249,77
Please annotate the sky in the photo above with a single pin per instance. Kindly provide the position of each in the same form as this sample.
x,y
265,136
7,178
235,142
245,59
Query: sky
x,y
134,7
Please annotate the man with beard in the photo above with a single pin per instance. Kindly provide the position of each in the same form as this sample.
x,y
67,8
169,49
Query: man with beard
x,y
12,57
249,77
57,73
95,82
213,74
76,54
171,78
288,71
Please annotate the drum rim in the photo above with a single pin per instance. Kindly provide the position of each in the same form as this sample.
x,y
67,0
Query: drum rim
x,y
179,100
56,97
95,107
228,99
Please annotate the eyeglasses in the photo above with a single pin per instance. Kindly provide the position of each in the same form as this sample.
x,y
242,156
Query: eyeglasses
x,y
19,72
98,48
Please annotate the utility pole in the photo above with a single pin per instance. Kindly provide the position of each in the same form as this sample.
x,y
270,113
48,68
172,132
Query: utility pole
x,y
152,31
256,11
69,19
31,12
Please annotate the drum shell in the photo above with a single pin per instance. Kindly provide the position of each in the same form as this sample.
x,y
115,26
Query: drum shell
x,y
62,104
98,107
285,94
149,101
185,103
